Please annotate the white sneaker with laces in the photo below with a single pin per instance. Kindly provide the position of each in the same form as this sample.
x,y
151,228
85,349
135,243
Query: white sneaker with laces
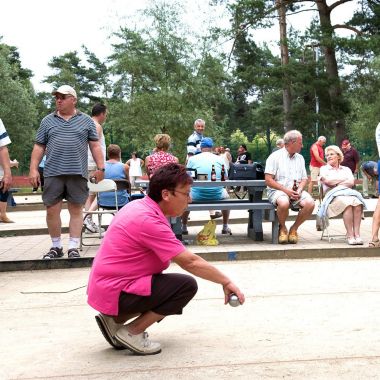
x,y
139,344
109,327
91,226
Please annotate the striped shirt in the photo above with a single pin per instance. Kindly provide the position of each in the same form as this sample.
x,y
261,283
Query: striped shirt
x,y
4,140
66,142
194,143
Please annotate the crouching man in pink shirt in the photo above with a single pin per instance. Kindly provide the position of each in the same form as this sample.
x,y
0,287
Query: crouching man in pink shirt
x,y
126,279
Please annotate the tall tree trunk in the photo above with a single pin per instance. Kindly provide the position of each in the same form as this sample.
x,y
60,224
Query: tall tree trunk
x,y
286,91
335,90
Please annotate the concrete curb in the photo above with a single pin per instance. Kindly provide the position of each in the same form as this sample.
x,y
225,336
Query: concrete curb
x,y
225,255
191,223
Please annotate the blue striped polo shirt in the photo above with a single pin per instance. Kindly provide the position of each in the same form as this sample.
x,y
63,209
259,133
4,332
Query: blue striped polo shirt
x,y
66,142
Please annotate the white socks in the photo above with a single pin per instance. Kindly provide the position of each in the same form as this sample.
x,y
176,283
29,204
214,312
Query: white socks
x,y
73,242
56,242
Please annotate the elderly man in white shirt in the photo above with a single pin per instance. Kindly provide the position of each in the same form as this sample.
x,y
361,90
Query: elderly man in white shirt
x,y
286,178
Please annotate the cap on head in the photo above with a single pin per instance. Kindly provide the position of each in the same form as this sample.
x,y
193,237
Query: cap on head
x,y
207,142
65,90
345,142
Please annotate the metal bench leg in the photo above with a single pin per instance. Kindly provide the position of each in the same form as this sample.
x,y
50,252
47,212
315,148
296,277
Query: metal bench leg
x,y
176,225
275,229
255,225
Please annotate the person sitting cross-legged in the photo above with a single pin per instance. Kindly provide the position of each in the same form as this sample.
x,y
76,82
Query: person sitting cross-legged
x,y
203,163
284,168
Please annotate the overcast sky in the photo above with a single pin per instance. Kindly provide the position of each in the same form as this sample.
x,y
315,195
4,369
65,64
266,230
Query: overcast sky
x,y
41,29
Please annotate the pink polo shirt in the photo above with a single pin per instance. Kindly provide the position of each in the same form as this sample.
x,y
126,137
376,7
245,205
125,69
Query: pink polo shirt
x,y
138,243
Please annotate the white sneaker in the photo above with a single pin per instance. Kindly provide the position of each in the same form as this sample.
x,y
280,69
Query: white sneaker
x,y
91,226
359,240
351,241
139,344
109,327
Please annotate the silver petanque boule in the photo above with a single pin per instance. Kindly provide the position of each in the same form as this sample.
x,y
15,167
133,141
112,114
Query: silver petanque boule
x,y
233,300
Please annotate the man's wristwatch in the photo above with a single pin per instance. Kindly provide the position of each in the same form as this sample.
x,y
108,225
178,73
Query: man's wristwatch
x,y
101,169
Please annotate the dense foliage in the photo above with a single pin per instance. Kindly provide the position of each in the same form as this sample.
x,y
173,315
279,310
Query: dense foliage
x,y
161,76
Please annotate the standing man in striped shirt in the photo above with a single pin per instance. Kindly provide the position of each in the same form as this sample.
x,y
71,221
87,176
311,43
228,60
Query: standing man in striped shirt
x,y
194,141
66,135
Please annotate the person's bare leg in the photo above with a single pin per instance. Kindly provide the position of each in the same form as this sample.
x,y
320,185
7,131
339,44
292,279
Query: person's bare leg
x,y
348,219
76,219
53,219
304,213
310,187
376,222
3,211
357,213
124,317
282,211
185,217
226,216
89,202
94,205
141,323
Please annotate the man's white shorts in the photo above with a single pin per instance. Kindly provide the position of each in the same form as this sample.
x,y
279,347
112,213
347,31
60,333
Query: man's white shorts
x,y
278,193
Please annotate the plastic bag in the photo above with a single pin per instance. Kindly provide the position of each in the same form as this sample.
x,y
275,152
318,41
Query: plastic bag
x,y
207,235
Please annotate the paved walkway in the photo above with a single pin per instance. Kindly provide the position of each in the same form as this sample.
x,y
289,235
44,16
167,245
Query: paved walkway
x,y
303,319
35,242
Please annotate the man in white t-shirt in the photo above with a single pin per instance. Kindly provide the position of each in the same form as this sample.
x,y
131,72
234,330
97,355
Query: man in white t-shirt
x,y
284,169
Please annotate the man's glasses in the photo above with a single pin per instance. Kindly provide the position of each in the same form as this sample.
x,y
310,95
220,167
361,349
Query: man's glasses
x,y
182,192
62,97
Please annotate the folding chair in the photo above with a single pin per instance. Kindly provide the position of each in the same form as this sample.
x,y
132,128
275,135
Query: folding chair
x,y
102,186
323,223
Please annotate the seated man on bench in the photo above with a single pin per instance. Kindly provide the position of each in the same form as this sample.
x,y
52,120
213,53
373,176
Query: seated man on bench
x,y
203,163
286,178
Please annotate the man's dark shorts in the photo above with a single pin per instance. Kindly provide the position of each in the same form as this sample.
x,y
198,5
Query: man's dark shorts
x,y
73,188
3,195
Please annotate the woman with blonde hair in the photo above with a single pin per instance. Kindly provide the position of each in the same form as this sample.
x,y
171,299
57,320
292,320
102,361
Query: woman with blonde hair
x,y
337,182
160,156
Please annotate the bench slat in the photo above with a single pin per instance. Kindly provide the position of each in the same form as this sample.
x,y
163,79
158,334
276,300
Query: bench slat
x,y
230,206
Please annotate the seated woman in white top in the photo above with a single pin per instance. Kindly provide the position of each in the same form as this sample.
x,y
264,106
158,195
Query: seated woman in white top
x,y
342,199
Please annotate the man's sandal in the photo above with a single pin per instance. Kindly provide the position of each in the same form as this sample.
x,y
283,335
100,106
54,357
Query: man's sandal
x,y
283,236
374,244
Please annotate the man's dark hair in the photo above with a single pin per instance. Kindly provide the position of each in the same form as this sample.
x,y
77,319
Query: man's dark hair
x,y
98,109
167,177
244,146
113,151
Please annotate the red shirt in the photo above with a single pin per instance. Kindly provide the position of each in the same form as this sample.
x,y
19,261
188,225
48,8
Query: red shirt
x,y
313,161
351,159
